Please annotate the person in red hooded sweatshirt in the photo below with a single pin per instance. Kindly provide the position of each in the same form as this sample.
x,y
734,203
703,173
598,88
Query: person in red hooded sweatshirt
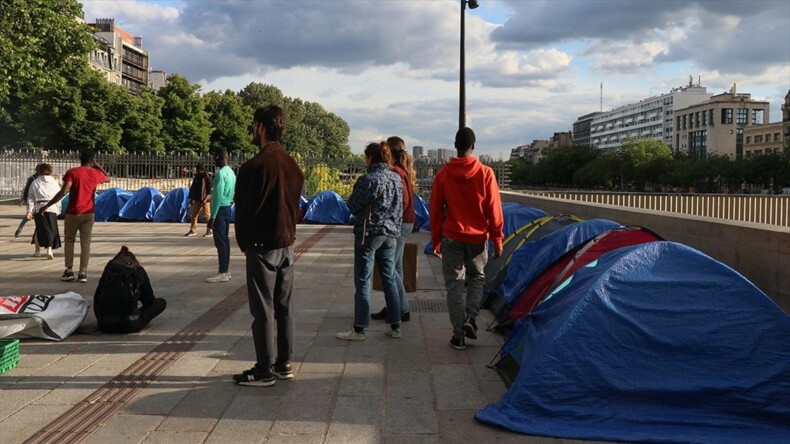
x,y
466,211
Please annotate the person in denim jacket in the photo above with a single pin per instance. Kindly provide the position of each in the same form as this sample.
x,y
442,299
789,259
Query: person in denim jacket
x,y
377,203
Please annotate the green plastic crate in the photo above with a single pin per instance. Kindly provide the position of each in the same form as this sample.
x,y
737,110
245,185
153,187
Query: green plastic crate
x,y
9,354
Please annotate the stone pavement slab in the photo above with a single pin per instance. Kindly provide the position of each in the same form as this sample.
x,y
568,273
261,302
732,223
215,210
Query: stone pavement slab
x,y
415,389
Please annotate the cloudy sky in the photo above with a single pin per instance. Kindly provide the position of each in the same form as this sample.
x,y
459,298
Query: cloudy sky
x,y
390,67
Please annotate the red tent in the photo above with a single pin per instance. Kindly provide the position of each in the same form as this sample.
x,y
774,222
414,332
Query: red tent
x,y
568,264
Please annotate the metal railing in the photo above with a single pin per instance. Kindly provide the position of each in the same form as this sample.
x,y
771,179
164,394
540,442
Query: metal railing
x,y
751,208
166,172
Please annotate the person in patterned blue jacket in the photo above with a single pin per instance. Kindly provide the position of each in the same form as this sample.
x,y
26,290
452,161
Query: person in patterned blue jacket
x,y
377,203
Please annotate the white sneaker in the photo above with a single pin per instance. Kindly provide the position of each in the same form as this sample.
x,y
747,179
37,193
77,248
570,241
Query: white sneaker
x,y
351,335
220,277
50,255
37,253
393,333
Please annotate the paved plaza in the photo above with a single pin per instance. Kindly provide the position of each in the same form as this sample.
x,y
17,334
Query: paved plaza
x,y
171,382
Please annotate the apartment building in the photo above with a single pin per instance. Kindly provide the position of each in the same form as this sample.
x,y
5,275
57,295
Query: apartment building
x,y
652,118
762,139
131,63
561,140
444,155
581,128
105,60
717,126
157,79
786,120
417,151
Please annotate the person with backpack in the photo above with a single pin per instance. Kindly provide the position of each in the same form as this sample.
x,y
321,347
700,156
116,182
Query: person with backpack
x,y
124,301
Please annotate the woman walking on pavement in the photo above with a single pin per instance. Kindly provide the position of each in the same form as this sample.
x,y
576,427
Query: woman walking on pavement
x,y
42,189
377,203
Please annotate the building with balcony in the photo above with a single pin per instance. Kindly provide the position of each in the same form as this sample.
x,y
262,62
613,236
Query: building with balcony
x,y
133,67
651,118
105,60
717,126
581,128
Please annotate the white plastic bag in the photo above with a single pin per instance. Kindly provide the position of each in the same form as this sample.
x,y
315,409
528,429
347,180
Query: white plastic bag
x,y
52,317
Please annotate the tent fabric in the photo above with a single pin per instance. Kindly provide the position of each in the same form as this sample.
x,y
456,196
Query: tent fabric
x,y
496,268
534,257
109,203
174,207
423,215
64,203
517,215
327,207
653,343
46,316
142,205
572,261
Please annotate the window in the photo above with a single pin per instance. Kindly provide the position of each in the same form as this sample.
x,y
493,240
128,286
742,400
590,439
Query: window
x,y
710,117
743,116
776,137
748,139
696,119
758,115
757,139
726,115
698,143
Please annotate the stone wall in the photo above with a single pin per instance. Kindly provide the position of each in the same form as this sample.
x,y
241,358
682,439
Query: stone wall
x,y
759,252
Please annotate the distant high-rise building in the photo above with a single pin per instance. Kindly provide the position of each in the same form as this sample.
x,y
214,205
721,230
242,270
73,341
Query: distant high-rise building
x,y
444,155
581,128
485,158
417,151
433,155
125,48
651,118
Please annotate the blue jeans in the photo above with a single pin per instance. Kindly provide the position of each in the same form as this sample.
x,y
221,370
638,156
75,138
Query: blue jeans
x,y
382,250
221,240
400,243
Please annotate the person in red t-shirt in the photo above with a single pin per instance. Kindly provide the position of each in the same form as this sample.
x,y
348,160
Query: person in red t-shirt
x,y
466,211
80,183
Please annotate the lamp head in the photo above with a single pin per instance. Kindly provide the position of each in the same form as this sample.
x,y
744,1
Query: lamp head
x,y
473,4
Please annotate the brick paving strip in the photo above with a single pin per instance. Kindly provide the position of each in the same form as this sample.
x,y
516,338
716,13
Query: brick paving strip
x,y
81,421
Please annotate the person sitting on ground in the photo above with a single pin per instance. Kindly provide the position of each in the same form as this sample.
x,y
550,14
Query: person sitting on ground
x,y
124,301
41,191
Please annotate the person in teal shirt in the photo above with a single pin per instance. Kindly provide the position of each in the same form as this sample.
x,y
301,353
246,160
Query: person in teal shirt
x,y
221,200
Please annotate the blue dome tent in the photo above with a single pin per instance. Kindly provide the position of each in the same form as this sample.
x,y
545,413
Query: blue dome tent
x,y
517,215
174,207
110,202
142,205
327,207
423,221
652,343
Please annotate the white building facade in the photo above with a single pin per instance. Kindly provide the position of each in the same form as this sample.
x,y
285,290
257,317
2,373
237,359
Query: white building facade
x,y
651,118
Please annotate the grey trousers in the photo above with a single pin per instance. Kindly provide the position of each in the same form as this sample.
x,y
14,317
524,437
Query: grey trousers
x,y
463,264
269,286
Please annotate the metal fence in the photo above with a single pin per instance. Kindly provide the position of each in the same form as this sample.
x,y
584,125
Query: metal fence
x,y
167,172
752,208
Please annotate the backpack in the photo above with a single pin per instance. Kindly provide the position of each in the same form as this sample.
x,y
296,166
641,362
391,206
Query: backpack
x,y
118,293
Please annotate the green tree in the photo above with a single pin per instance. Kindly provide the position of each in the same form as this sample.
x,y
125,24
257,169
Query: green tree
x,y
42,45
644,160
256,95
142,127
185,125
230,119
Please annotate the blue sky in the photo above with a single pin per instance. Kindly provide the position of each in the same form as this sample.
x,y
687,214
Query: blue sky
x,y
390,67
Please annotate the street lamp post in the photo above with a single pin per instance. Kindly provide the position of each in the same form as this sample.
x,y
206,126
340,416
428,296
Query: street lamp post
x,y
462,84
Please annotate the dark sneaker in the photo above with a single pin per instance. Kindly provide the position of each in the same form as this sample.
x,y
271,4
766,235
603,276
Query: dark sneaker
x,y
405,317
68,276
254,378
82,277
470,328
382,315
458,343
283,371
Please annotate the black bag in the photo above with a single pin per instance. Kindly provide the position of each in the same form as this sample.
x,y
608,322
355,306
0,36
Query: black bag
x,y
118,293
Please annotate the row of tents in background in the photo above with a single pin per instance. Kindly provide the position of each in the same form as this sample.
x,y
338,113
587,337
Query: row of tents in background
x,y
612,333
150,205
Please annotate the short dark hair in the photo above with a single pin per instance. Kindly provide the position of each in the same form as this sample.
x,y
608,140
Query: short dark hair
x,y
464,139
379,153
87,156
44,169
200,167
222,156
273,119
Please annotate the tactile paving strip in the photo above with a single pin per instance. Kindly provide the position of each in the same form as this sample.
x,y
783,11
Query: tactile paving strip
x,y
83,419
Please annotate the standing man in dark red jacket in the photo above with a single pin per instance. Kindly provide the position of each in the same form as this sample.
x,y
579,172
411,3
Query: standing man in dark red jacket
x,y
268,191
466,211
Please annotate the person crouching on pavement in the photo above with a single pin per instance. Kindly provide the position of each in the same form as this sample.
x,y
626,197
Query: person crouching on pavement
x,y
466,211
377,203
